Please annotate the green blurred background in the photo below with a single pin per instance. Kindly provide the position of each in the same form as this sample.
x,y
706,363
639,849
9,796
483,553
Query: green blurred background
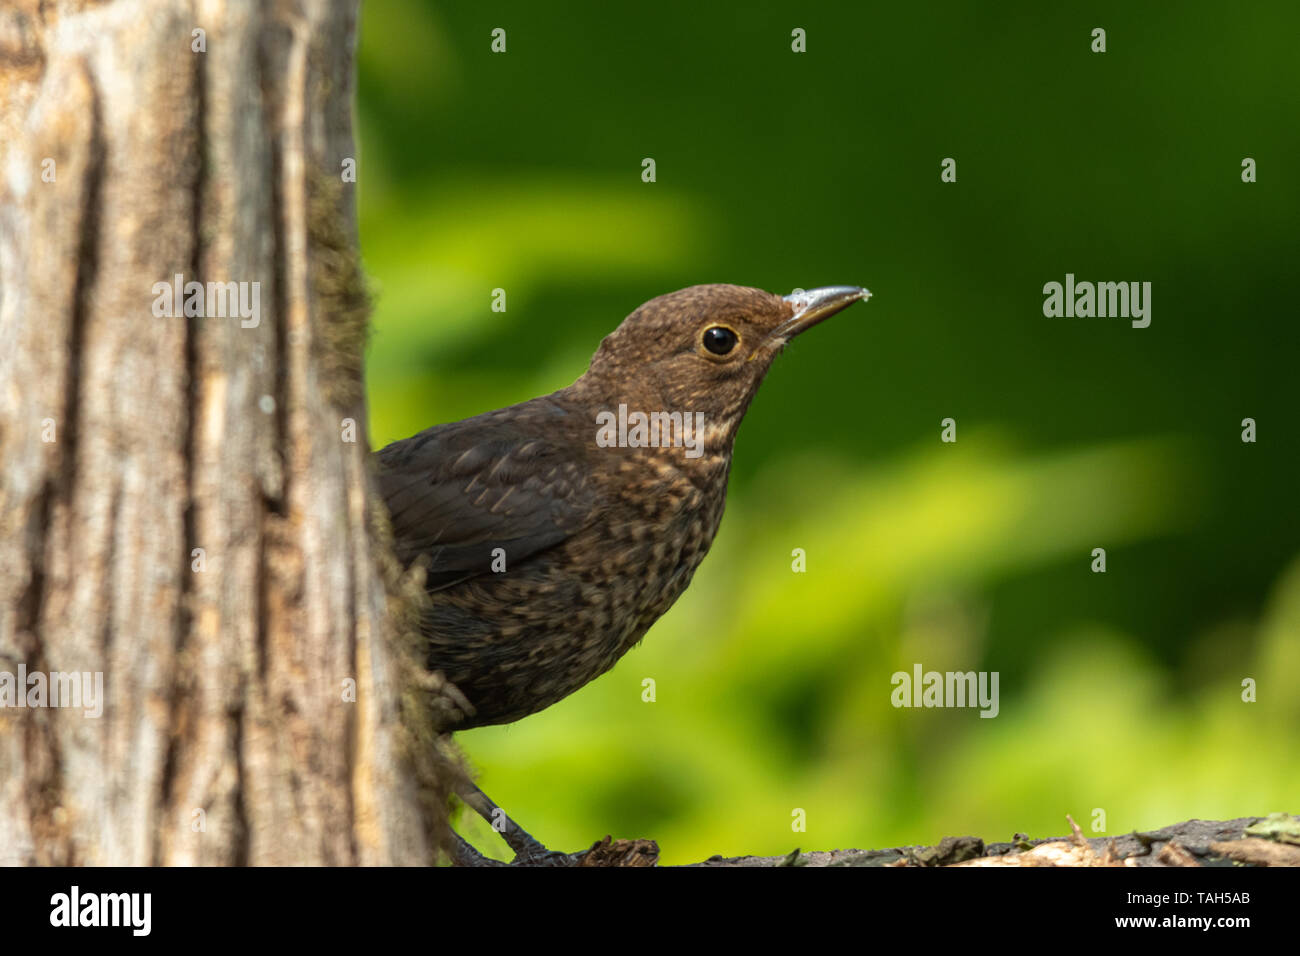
x,y
1119,691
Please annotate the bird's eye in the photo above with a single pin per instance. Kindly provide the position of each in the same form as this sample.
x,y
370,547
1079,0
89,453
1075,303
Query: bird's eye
x,y
719,339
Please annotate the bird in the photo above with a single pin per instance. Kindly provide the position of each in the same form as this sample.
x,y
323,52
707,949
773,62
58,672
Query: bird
x,y
553,533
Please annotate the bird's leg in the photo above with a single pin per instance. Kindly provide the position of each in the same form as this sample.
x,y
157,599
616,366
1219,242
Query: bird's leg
x,y
462,854
528,851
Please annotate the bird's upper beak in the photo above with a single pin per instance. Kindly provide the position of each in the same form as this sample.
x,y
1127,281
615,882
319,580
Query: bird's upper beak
x,y
815,305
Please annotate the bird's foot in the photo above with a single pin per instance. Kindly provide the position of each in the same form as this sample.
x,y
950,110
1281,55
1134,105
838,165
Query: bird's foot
x,y
530,854
528,850
544,857
462,854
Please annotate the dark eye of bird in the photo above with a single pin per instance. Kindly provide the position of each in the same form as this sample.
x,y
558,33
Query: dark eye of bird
x,y
719,339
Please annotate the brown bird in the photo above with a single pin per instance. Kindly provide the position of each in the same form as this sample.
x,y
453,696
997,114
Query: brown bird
x,y
557,531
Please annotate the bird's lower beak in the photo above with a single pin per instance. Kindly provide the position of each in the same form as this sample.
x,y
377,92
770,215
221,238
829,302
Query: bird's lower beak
x,y
816,305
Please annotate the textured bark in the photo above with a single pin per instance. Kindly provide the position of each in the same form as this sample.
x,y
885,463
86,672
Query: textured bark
x,y
224,687
1189,843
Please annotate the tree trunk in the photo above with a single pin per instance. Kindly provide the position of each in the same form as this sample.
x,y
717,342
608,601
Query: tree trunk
x,y
185,505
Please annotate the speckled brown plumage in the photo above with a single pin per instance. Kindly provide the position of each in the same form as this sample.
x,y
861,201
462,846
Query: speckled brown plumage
x,y
598,541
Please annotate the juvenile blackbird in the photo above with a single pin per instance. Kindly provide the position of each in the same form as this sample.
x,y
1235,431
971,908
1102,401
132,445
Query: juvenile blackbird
x,y
557,531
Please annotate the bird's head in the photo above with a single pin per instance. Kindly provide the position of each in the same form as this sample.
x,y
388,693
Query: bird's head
x,y
708,347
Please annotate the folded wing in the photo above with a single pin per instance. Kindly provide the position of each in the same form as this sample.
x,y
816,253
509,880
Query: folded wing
x,y
458,492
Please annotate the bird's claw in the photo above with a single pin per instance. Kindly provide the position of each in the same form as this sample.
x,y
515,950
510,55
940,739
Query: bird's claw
x,y
545,857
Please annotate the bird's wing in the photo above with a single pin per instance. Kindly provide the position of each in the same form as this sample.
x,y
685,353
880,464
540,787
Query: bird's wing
x,y
457,492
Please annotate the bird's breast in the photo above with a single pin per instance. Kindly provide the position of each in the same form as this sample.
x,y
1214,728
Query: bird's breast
x,y
517,642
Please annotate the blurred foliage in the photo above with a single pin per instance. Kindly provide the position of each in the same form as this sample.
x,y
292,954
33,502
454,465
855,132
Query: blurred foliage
x,y
1120,691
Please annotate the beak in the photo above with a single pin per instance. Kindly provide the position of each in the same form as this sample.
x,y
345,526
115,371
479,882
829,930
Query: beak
x,y
815,305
